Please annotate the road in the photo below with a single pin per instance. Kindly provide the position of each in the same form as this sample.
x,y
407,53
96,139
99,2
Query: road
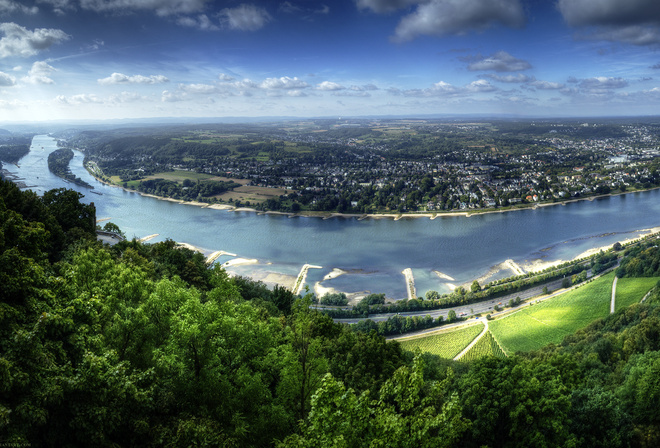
x,y
468,310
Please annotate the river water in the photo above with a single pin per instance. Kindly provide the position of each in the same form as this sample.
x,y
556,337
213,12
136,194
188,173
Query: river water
x,y
372,252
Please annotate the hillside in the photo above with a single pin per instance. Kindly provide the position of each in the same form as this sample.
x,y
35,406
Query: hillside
x,y
145,345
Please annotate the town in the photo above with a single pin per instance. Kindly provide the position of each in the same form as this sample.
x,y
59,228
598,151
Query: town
x,y
380,166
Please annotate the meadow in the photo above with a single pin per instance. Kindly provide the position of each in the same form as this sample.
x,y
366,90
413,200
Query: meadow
x,y
542,323
446,344
632,290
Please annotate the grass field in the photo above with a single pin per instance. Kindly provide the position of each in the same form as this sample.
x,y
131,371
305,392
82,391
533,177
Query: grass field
x,y
631,290
180,176
252,194
447,344
535,326
486,346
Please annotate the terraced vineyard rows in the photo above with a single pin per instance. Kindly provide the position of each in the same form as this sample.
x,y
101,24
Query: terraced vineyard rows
x,y
631,290
486,346
549,321
446,345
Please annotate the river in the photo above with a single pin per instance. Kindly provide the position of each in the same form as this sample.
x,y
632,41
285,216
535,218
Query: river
x,y
371,253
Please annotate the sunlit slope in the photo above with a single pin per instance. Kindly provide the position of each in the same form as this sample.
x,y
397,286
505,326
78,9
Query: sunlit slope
x,y
632,290
537,325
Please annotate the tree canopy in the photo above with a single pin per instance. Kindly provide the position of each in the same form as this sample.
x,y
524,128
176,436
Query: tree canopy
x,y
145,345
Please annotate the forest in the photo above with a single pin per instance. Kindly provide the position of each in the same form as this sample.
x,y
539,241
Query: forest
x,y
58,164
145,345
13,153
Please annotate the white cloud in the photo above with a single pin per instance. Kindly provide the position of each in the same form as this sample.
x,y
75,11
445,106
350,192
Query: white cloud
x,y
518,78
19,41
456,17
306,13
289,8
296,93
75,100
330,86
10,6
160,7
11,104
385,6
245,84
198,88
283,83
59,6
547,85
172,97
364,87
600,84
353,93
225,78
499,62
119,78
40,73
245,17
95,45
480,86
443,89
440,88
324,9
201,22
126,97
6,80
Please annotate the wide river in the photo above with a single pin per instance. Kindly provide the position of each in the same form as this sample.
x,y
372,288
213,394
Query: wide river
x,y
372,253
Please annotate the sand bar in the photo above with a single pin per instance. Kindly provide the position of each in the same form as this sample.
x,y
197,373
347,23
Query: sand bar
x,y
217,254
410,283
275,278
148,237
517,270
336,272
240,262
300,280
444,276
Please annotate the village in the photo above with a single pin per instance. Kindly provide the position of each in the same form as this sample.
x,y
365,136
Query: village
x,y
423,166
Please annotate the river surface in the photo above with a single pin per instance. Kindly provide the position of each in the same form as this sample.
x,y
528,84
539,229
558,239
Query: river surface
x,y
372,253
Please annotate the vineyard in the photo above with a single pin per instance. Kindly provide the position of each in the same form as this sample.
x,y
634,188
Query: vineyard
x,y
631,290
486,346
549,321
446,345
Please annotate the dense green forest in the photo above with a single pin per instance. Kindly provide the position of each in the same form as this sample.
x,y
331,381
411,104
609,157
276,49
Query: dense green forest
x,y
145,345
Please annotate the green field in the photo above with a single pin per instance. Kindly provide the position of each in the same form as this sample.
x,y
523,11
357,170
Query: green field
x,y
179,176
632,290
446,345
486,346
537,325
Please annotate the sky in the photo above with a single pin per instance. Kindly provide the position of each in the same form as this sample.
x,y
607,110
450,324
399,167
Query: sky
x,y
118,59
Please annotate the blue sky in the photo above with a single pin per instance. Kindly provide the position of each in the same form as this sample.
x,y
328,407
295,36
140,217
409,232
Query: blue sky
x,y
104,59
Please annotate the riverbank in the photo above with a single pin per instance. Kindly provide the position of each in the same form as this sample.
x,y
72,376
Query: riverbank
x,y
338,243
361,216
